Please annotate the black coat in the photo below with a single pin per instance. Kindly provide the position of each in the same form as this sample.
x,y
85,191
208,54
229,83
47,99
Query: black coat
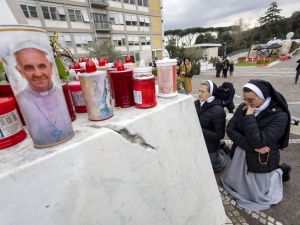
x,y
219,65
228,96
298,67
250,133
212,118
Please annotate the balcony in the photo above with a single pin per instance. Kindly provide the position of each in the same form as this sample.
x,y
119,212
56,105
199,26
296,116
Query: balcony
x,y
103,27
99,3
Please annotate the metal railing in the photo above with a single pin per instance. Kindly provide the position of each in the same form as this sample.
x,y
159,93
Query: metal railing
x,y
105,2
103,26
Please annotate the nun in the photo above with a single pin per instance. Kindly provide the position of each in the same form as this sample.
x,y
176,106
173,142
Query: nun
x,y
212,118
258,129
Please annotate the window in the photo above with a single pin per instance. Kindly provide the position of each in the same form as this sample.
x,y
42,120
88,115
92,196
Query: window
x,y
75,15
145,40
53,13
83,40
119,40
131,20
85,16
116,18
137,56
68,41
61,13
132,2
100,18
101,21
50,13
144,21
133,40
29,11
143,3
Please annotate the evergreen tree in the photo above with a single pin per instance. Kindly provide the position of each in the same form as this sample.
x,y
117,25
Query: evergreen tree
x,y
206,38
270,23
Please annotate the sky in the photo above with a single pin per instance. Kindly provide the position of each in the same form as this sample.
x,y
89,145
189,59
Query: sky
x,y
181,14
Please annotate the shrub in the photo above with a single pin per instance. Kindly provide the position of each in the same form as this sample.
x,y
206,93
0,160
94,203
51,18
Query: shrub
x,y
274,57
260,61
294,46
196,68
213,61
242,59
154,71
267,61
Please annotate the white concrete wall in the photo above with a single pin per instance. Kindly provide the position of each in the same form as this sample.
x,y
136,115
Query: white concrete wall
x,y
56,23
11,13
142,166
206,66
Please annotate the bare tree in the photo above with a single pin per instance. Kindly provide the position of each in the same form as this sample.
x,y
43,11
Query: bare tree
x,y
237,33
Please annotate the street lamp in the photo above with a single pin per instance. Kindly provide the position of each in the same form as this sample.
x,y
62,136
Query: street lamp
x,y
225,49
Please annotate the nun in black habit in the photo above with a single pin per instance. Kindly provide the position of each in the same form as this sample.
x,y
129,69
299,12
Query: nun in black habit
x,y
212,118
258,129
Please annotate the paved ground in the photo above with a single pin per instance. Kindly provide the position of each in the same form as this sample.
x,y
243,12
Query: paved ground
x,y
282,76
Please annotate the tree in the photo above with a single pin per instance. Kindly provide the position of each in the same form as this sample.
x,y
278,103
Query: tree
x,y
103,48
270,23
238,34
171,47
194,53
206,38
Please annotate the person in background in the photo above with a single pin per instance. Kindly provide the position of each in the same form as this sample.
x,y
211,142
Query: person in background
x,y
231,68
258,129
212,118
186,74
225,67
297,71
227,93
219,67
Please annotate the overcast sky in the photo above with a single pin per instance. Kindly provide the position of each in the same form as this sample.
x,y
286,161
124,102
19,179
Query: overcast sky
x,y
181,14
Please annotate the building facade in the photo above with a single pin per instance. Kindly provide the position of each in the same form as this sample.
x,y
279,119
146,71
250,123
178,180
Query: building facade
x,y
134,27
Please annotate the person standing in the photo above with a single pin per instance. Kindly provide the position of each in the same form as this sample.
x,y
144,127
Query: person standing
x,y
225,67
297,71
186,74
212,119
258,129
231,68
219,67
227,93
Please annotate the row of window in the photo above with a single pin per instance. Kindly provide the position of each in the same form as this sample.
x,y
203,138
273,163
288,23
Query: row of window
x,y
82,40
130,19
120,40
55,13
58,13
133,2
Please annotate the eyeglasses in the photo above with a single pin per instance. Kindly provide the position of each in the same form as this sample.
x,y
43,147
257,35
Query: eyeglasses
x,y
249,100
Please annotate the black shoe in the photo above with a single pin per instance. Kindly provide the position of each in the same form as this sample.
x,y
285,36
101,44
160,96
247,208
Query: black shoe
x,y
286,169
231,111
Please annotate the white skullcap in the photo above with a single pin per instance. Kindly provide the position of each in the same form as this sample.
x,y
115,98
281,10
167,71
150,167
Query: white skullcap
x,y
255,89
29,44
